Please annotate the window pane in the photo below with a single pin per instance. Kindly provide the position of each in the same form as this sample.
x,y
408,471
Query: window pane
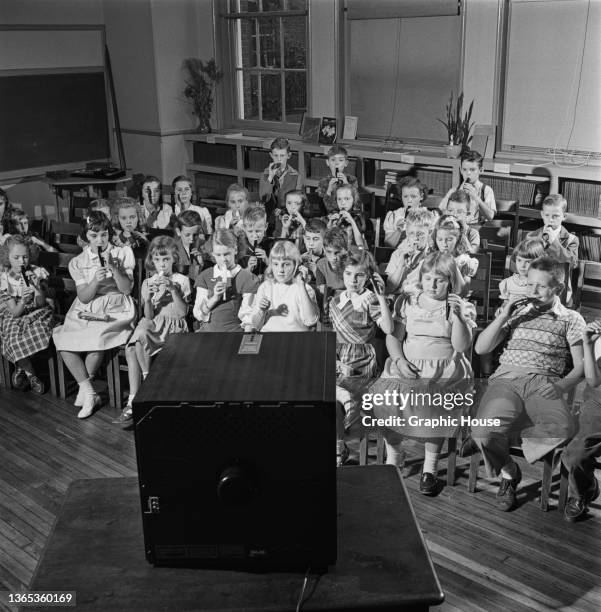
x,y
248,43
273,5
296,96
295,42
251,96
271,97
269,41
244,6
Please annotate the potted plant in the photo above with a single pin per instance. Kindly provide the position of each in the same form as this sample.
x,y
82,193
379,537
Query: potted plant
x,y
458,126
200,81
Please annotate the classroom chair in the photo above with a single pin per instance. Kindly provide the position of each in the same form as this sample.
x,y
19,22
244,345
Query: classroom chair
x,y
480,287
509,210
64,236
588,285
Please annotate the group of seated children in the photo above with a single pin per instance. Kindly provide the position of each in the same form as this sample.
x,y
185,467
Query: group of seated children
x,y
268,267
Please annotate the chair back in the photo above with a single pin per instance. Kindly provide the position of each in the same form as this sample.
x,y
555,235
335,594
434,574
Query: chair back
x,y
480,286
588,286
64,236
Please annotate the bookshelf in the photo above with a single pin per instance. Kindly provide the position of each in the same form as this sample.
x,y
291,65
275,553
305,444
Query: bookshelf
x,y
217,160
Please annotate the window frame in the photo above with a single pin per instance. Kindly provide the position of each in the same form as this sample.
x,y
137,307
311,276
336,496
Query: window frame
x,y
225,49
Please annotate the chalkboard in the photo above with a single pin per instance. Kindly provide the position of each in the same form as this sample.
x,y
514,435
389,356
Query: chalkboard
x,y
52,119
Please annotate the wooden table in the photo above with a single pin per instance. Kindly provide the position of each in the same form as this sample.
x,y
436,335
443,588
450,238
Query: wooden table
x,y
76,183
97,550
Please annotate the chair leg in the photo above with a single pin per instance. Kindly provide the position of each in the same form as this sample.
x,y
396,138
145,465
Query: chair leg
x,y
473,475
451,461
380,448
117,382
52,371
563,488
545,487
363,445
110,379
6,372
60,366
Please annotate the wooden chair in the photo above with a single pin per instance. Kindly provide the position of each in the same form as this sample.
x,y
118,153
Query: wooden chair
x,y
480,286
64,236
509,210
60,281
588,286
497,233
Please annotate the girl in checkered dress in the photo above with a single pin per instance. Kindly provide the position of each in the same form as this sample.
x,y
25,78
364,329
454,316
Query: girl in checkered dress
x,y
355,314
26,319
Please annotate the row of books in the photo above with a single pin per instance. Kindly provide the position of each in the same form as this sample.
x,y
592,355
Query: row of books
x,y
590,248
514,188
582,198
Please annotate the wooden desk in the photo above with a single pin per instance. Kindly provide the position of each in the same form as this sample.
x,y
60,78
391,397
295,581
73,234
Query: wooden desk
x,y
97,550
75,184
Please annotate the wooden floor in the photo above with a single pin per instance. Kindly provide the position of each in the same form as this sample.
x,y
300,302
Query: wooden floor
x,y
486,560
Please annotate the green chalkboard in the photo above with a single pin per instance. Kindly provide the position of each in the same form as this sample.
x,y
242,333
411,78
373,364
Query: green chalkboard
x,y
52,119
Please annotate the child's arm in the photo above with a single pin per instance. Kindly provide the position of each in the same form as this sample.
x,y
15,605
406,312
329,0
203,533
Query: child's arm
x,y
393,229
386,323
396,268
591,335
357,235
487,207
461,327
43,245
568,254
16,306
123,281
394,345
307,305
495,333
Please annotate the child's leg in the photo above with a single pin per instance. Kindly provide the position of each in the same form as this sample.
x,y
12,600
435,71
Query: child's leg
x,y
134,374
93,361
143,358
395,455
433,447
77,366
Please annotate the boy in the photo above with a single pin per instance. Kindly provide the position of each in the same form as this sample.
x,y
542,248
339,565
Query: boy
x,y
458,206
291,223
278,178
408,255
559,243
252,246
328,276
526,391
580,454
326,188
482,199
315,230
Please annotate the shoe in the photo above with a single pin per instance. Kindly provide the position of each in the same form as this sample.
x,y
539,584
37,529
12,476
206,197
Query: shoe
x,y
126,418
577,507
89,403
428,483
37,386
19,380
506,495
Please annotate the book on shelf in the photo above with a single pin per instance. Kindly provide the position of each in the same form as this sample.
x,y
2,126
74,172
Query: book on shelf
x,y
309,129
327,131
582,198
350,128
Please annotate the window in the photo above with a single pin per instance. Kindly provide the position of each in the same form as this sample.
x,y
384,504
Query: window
x,y
268,60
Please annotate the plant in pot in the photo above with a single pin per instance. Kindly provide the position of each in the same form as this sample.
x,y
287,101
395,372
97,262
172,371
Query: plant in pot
x,y
458,126
201,78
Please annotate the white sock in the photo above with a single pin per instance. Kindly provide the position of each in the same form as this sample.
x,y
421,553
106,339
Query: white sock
x,y
144,375
130,399
431,462
509,470
86,387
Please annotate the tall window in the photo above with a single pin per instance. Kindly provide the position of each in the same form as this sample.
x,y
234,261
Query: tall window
x,y
268,59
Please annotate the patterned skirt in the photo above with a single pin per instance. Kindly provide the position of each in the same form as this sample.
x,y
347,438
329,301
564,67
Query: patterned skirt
x,y
152,334
356,365
26,335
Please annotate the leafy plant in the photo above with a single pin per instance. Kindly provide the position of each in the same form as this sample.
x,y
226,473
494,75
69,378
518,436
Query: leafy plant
x,y
457,123
200,81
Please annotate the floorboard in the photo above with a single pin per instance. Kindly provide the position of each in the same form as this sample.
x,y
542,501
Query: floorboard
x,y
487,561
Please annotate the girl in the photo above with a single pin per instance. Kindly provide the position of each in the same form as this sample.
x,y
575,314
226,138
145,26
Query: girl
x,y
413,193
291,224
224,291
164,295
432,334
349,216
449,236
236,200
155,213
189,242
102,205
103,313
182,201
355,314
6,210
26,320
284,302
126,219
19,225
523,255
